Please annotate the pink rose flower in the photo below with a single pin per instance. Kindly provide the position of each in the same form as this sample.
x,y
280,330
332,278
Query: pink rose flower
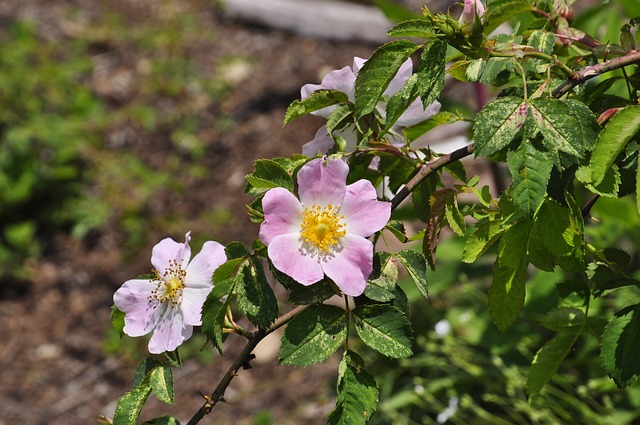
x,y
471,9
325,231
170,303
344,80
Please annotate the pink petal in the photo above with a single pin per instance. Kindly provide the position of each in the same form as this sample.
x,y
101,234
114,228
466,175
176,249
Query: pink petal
x,y
168,250
287,256
321,143
322,183
363,213
282,214
415,113
401,77
141,315
350,267
170,332
201,268
191,306
358,64
340,79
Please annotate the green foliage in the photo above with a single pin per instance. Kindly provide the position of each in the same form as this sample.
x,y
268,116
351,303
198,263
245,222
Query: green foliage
x,y
357,392
319,99
506,296
255,297
378,71
313,335
620,345
385,329
497,124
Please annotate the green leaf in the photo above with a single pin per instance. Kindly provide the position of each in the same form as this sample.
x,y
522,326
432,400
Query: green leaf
x,y
162,420
558,125
385,329
225,271
542,41
612,140
454,217
419,28
609,185
506,296
416,265
400,101
501,11
621,345
161,380
130,405
319,99
431,72
539,255
213,320
174,357
547,361
313,335
357,396
558,229
116,317
481,240
564,319
378,71
497,124
143,370
255,297
530,167
396,227
589,126
341,116
235,250
383,278
312,294
267,175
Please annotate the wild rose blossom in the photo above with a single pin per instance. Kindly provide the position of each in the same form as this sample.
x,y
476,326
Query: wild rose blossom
x,y
170,303
471,9
344,80
325,231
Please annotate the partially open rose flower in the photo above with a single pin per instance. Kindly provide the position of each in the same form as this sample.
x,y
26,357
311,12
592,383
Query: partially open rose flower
x,y
169,303
325,231
344,80
471,9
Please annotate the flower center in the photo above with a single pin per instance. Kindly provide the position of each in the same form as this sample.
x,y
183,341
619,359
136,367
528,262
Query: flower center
x,y
321,227
169,285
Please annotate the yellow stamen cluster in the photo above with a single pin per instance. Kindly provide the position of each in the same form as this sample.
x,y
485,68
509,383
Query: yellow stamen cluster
x,y
321,227
169,285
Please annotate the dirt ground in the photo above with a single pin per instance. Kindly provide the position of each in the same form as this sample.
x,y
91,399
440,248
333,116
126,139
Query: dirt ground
x,y
53,365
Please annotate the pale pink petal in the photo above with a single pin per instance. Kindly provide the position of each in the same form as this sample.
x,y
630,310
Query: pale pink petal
x,y
168,250
282,214
363,213
340,79
201,268
358,63
321,143
287,256
471,8
322,183
351,266
141,315
191,306
170,332
401,77
415,113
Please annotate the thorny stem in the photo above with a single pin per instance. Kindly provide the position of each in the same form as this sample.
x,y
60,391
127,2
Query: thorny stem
x,y
570,73
593,71
242,361
426,170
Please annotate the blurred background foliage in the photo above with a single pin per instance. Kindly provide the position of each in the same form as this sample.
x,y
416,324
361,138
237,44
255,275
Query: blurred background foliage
x,y
71,123
68,165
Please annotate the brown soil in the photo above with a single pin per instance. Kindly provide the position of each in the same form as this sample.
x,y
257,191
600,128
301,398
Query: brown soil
x,y
53,364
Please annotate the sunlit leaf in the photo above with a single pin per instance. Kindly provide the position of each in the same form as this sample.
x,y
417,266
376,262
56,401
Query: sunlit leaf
x,y
313,335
